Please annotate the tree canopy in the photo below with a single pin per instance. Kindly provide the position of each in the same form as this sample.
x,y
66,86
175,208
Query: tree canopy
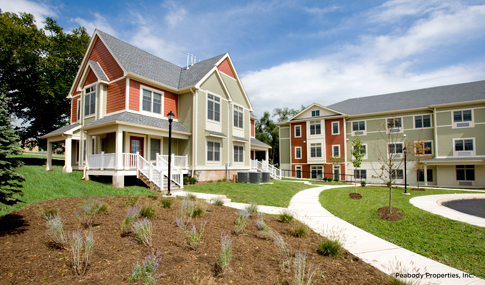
x,y
37,68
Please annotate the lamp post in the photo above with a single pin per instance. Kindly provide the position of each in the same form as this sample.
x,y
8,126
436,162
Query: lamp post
x,y
170,120
405,173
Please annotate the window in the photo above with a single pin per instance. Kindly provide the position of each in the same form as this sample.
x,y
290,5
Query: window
x,y
90,101
336,171
78,116
360,174
154,148
298,131
465,172
315,128
395,148
336,150
316,150
151,101
298,171
316,113
424,148
422,121
363,150
429,175
298,152
394,124
238,153
238,116
397,174
335,128
462,116
464,147
358,126
213,108
213,151
317,171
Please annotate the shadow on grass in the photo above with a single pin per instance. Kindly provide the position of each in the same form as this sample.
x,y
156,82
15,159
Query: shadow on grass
x,y
12,224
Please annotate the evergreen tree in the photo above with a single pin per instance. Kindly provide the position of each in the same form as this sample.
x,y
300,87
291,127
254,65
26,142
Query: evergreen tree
x,y
9,145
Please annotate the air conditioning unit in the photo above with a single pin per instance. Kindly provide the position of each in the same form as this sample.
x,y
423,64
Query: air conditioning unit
x,y
265,177
358,133
464,153
255,177
462,125
242,177
465,183
395,130
396,156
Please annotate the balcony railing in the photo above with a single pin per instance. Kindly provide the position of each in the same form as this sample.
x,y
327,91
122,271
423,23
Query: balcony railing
x,y
179,161
106,161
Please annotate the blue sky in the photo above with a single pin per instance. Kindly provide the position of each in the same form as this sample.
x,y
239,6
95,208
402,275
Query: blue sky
x,y
290,53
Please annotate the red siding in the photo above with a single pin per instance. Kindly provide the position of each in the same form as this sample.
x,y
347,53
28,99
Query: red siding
x,y
115,99
170,101
102,55
295,142
334,139
91,78
74,108
226,68
305,171
252,128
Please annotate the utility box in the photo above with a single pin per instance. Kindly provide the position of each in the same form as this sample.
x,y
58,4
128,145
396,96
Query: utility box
x,y
242,177
265,177
255,177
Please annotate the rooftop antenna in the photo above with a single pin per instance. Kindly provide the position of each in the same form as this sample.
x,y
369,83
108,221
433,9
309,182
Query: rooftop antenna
x,y
191,59
195,59
188,61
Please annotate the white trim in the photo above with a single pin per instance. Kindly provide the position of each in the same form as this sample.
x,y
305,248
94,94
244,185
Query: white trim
x,y
213,162
78,111
339,154
338,127
400,129
282,138
314,167
322,129
242,112
230,77
207,108
301,170
422,121
465,153
396,155
354,133
310,157
298,147
238,144
312,105
229,59
455,124
295,126
162,105
95,100
127,94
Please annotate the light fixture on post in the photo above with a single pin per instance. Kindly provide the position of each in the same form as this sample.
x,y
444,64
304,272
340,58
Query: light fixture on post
x,y
170,120
405,173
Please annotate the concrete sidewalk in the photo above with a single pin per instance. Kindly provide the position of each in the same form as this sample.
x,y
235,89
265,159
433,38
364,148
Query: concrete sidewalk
x,y
368,247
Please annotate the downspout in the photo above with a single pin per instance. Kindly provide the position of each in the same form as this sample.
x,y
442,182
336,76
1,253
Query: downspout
x,y
435,131
194,129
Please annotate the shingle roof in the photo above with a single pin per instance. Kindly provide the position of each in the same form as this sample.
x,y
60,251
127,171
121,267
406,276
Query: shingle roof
x,y
141,120
98,70
142,63
62,129
413,99
258,142
216,133
240,139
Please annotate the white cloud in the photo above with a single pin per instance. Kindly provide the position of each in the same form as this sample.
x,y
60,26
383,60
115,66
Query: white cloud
x,y
100,23
39,10
321,11
175,15
148,41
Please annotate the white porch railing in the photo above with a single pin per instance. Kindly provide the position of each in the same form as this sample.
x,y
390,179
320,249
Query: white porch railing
x,y
263,165
129,160
101,161
175,173
179,161
153,174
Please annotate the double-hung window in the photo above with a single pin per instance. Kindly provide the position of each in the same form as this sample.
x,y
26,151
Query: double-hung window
x,y
394,125
358,126
336,150
423,148
298,131
422,121
154,148
152,101
213,108
335,128
360,174
298,152
213,151
465,172
464,147
238,116
316,113
317,171
90,101
395,150
316,150
315,128
238,153
397,174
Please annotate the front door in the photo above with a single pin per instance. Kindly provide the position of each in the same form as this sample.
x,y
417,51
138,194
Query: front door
x,y
298,171
136,145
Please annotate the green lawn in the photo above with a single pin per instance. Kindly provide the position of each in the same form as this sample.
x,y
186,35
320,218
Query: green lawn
x,y
454,243
316,182
277,194
41,186
39,155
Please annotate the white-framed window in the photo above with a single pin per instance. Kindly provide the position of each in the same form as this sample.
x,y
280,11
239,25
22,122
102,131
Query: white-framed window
x,y
465,172
336,128
425,148
462,118
238,153
360,174
213,108
316,171
358,126
90,101
423,121
336,150
397,174
395,150
155,147
464,147
298,171
213,151
316,150
429,175
298,131
394,125
316,113
78,117
298,152
238,117
363,150
336,171
152,100
315,128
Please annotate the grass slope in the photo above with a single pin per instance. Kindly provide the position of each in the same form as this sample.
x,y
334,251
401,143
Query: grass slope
x,y
454,243
277,194
41,186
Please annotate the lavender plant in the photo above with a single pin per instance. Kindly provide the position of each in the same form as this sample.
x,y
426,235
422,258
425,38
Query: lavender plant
x,y
146,270
283,249
143,229
88,248
252,208
90,208
131,215
226,253
261,225
56,230
303,274
241,221
194,236
79,259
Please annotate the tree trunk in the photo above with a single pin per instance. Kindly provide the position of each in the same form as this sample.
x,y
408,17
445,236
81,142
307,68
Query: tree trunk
x,y
390,198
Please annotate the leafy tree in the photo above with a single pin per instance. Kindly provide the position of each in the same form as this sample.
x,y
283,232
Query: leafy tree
x,y
9,145
37,68
283,114
268,132
358,153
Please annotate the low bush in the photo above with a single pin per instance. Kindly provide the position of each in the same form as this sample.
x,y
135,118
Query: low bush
x,y
261,225
194,236
299,229
191,197
218,201
192,180
131,201
147,212
90,208
252,208
285,216
336,179
166,202
241,221
225,256
79,259
210,181
56,230
186,180
198,211
131,215
363,183
143,229
146,271
46,213
329,247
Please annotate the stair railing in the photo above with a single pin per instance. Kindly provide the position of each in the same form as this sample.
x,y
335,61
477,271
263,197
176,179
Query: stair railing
x,y
176,174
152,173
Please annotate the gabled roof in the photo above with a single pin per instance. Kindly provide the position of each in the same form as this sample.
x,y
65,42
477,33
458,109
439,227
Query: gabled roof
x,y
414,99
255,141
98,70
298,118
61,130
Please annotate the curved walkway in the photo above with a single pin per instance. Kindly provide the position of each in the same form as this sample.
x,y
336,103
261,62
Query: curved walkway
x,y
371,249
432,204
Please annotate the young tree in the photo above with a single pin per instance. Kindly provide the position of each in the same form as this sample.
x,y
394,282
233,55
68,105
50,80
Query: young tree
x,y
389,153
358,152
420,150
9,145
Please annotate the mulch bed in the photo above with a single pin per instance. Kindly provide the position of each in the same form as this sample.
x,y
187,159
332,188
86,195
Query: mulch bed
x,y
355,196
395,215
28,256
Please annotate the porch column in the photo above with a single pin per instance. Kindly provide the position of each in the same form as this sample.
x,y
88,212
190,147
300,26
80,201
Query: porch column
x,y
49,156
266,152
119,149
89,147
425,172
67,155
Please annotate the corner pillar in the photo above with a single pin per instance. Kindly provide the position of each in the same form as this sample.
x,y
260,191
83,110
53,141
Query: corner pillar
x,y
67,155
119,150
49,156
425,172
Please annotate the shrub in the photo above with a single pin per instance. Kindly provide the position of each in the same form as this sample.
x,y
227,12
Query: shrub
x,y
166,202
146,270
325,179
285,216
56,230
131,201
153,197
219,181
283,250
300,229
336,179
252,208
218,201
226,253
329,247
363,183
210,181
198,211
143,229
46,213
90,208
241,221
131,214
186,180
301,273
192,180
147,212
80,260
224,179
261,225
194,236
191,197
